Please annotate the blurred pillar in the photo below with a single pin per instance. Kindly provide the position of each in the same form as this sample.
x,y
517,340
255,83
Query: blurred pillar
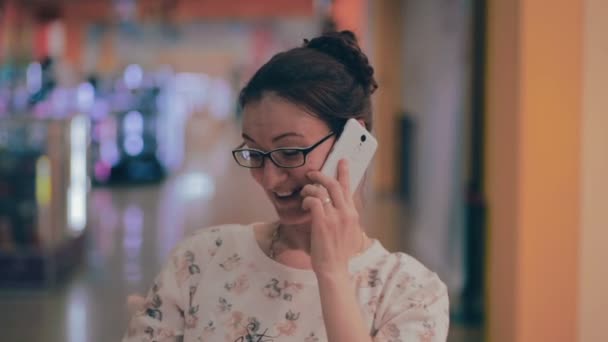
x,y
387,42
8,18
14,30
74,38
534,109
593,280
6,9
78,16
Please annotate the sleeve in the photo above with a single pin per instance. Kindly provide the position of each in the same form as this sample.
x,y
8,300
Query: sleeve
x,y
168,308
417,309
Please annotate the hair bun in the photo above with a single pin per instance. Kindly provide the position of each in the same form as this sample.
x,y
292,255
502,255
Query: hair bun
x,y
343,47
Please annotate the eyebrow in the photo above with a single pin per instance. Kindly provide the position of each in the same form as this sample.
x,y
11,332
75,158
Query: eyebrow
x,y
277,138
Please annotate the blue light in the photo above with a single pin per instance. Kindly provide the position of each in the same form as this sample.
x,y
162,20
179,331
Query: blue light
x,y
34,77
133,76
133,144
85,96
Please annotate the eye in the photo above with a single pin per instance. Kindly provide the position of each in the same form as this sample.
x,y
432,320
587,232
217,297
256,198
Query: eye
x,y
249,155
287,154
252,155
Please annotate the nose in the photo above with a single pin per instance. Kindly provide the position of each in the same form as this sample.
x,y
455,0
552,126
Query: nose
x,y
271,175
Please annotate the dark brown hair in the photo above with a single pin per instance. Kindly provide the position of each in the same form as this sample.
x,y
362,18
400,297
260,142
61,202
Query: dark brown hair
x,y
329,76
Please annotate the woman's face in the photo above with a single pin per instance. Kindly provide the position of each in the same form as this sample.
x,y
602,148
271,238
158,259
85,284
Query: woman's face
x,y
271,123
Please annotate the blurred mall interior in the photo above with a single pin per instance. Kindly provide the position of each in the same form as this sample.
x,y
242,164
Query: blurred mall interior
x,y
117,118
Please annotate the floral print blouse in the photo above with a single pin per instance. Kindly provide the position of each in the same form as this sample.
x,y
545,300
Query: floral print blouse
x,y
220,286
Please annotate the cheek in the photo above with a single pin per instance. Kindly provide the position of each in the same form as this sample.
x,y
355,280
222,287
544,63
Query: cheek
x,y
315,160
299,175
257,174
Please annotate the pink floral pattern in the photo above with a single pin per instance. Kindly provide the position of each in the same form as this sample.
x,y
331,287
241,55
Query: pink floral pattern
x,y
286,290
210,293
231,262
239,285
289,326
235,325
311,338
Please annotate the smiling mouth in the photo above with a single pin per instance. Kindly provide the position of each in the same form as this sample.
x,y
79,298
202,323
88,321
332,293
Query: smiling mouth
x,y
286,195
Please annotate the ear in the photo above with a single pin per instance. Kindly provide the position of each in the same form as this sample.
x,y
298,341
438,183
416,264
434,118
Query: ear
x,y
362,123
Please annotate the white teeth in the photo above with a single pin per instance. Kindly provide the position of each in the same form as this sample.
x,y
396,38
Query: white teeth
x,y
284,194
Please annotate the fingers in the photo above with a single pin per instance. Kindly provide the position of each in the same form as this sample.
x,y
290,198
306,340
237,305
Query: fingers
x,y
315,207
314,190
317,192
339,190
344,177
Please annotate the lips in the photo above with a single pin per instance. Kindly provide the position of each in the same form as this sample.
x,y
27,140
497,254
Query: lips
x,y
284,194
287,196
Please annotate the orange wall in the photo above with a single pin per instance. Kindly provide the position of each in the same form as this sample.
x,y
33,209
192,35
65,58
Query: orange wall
x,y
551,108
534,118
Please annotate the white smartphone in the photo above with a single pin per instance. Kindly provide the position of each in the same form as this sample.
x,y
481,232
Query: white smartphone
x,y
356,145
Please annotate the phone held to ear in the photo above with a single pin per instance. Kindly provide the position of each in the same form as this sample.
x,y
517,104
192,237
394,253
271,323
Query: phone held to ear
x,y
356,145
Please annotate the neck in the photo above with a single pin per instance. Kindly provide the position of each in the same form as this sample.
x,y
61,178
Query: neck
x,y
295,236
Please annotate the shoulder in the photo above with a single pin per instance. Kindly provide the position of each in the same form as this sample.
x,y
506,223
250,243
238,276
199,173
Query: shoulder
x,y
401,278
403,263
406,275
413,300
190,258
209,236
206,243
407,287
220,230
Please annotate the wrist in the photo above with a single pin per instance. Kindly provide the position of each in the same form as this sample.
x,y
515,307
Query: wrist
x,y
334,278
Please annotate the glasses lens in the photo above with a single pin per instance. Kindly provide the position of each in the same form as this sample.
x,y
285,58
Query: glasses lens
x,y
249,158
288,157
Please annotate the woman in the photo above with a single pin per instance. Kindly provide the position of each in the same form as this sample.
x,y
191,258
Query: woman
x,y
313,275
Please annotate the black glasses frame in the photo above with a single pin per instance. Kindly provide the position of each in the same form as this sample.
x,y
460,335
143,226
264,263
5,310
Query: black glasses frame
x,y
304,150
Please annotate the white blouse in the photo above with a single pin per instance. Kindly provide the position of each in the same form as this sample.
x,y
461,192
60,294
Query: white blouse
x,y
220,286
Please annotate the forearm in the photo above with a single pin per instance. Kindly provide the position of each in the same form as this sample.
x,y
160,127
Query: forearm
x,y
341,311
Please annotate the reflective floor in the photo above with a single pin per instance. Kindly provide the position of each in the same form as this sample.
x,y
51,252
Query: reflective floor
x,y
132,230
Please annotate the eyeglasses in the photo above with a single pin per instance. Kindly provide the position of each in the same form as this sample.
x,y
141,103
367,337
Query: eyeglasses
x,y
285,157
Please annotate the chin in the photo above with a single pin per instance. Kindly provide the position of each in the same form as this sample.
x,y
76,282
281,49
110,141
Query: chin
x,y
294,218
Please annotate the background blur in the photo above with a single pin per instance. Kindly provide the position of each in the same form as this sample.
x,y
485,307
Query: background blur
x,y
117,118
